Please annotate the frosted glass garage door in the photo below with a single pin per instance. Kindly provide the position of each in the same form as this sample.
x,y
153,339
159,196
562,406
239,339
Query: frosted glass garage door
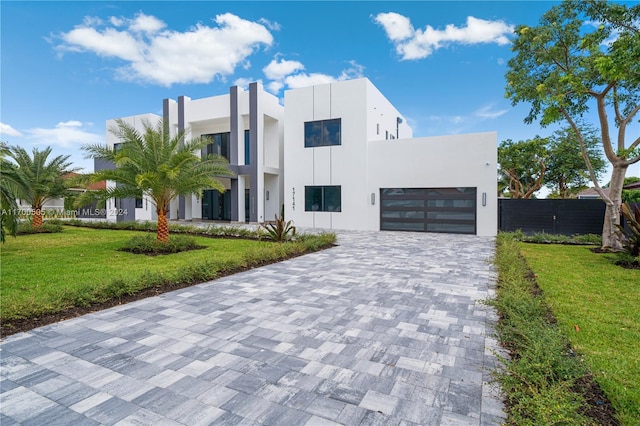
x,y
450,210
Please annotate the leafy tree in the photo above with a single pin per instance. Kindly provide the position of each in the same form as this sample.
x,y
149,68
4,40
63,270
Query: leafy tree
x,y
523,165
567,173
153,163
12,187
42,177
581,54
631,195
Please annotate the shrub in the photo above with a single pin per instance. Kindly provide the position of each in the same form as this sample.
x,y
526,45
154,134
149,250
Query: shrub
x,y
25,228
148,244
280,230
544,238
631,233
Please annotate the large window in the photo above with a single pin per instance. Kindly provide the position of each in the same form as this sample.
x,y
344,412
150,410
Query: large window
x,y
219,144
322,133
322,198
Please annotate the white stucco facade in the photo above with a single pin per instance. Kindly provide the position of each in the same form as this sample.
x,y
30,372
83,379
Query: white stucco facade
x,y
377,151
246,127
337,156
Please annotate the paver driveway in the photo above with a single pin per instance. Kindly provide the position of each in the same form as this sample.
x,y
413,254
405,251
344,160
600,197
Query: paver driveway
x,y
386,328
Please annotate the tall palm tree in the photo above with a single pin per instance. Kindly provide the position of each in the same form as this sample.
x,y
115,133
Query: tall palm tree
x,y
12,187
162,167
43,177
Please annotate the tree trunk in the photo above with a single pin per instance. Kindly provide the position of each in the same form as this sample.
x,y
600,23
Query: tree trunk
x,y
37,221
610,233
163,227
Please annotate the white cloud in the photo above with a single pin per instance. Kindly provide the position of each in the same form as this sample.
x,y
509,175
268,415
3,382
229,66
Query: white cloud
x,y
146,24
7,130
161,56
288,74
487,112
397,27
273,26
243,83
277,70
64,134
411,43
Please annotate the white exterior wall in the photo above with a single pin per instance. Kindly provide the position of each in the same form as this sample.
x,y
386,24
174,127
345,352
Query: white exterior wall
x,y
148,210
213,115
468,160
362,110
365,161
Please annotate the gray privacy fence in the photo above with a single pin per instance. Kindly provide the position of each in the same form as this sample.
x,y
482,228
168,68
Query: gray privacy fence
x,y
565,217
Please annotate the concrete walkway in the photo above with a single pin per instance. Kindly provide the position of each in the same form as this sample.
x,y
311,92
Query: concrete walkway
x,y
385,329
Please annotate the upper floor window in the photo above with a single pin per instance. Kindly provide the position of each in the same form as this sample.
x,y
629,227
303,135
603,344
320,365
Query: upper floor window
x,y
322,133
247,147
219,144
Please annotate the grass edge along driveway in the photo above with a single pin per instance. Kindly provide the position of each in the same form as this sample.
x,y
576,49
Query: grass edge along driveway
x,y
48,273
597,305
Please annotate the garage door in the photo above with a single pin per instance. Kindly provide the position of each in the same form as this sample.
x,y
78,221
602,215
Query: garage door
x,y
451,210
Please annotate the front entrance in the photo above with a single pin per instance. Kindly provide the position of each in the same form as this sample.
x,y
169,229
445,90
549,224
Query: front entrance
x,y
451,210
216,206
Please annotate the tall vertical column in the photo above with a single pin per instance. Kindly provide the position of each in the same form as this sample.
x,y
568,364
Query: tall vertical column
x,y
181,127
255,188
234,140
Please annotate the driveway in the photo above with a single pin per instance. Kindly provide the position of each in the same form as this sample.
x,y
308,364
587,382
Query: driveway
x,y
387,328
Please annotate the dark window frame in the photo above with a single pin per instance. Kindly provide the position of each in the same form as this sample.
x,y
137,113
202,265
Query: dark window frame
x,y
325,134
220,144
325,198
247,147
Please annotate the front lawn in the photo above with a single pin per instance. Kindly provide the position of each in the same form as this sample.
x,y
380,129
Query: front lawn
x,y
597,305
51,273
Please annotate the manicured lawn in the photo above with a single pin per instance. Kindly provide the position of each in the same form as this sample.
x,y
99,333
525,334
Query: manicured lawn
x,y
586,292
48,273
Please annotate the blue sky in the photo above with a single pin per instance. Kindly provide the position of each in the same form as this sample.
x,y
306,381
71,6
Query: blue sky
x,y
67,67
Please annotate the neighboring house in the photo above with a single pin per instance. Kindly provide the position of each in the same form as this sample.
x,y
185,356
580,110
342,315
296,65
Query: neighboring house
x,y
591,193
337,156
58,207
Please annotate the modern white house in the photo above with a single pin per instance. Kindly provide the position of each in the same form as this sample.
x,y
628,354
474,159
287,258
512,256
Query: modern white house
x,y
246,128
336,156
351,163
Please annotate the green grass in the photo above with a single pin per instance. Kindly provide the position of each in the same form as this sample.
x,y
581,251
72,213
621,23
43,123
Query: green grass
x,y
585,289
538,378
48,273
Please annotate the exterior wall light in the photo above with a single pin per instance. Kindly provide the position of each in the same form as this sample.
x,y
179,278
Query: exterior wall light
x,y
484,199
373,199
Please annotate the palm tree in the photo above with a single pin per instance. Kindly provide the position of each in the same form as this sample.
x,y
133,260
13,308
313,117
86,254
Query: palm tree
x,y
12,187
43,177
152,162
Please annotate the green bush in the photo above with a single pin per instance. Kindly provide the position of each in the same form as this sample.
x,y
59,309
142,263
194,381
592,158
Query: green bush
x,y
148,244
25,228
544,238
